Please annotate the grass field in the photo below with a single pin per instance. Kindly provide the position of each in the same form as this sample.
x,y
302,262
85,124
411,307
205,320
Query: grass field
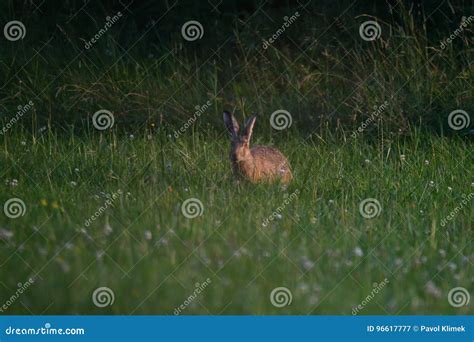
x,y
378,218
319,246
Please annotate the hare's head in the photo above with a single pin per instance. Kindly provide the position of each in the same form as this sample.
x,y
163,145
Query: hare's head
x,y
240,142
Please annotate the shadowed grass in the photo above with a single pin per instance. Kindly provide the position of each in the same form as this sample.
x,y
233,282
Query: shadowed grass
x,y
321,70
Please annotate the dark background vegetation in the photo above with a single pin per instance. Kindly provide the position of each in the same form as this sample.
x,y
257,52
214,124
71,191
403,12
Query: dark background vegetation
x,y
320,69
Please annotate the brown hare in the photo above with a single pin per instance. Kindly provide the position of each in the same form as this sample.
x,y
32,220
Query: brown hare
x,y
259,163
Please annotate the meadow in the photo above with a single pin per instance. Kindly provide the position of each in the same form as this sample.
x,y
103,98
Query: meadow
x,y
145,216
320,246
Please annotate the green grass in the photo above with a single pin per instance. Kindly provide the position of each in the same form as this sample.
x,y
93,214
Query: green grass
x,y
321,71
151,256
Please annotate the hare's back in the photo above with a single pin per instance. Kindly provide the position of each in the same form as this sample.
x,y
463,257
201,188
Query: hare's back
x,y
270,158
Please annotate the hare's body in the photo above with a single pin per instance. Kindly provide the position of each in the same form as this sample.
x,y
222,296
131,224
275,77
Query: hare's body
x,y
264,163
259,163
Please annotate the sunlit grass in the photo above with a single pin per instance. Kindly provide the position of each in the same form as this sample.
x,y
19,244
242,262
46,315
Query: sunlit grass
x,y
320,247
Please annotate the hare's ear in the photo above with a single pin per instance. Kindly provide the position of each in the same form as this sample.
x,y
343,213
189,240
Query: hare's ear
x,y
247,134
231,123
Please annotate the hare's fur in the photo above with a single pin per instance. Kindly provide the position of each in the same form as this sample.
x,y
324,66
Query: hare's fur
x,y
259,163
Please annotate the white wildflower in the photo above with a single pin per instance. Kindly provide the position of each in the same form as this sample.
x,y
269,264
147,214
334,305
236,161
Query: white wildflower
x,y
358,251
